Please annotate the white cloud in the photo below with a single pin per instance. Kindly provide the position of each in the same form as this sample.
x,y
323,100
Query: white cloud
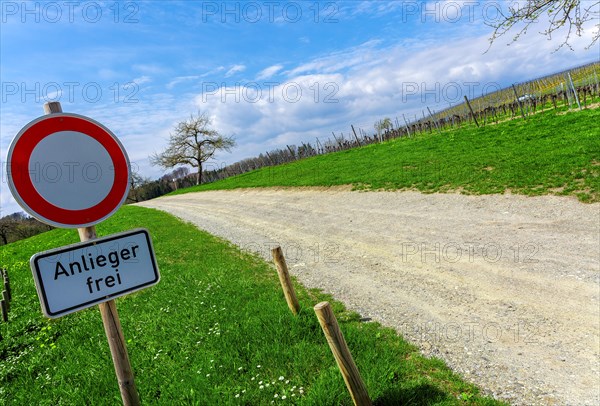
x,y
235,69
142,79
337,61
268,72
180,79
369,8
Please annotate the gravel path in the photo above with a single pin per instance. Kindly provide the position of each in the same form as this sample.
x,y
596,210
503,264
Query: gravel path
x,y
504,288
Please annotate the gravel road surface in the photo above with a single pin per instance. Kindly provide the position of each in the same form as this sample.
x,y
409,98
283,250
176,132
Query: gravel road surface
x,y
504,288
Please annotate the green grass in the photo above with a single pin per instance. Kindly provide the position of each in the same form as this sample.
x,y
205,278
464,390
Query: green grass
x,y
549,153
215,327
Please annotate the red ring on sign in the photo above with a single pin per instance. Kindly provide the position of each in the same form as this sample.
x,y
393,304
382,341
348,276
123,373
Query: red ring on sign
x,y
19,165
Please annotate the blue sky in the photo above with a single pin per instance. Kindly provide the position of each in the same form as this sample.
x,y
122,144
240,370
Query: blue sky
x,y
269,73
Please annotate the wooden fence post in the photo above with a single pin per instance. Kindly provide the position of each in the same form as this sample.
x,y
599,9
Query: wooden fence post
x,y
292,153
518,101
285,280
7,284
110,319
336,140
4,307
5,298
406,123
574,90
472,113
342,355
356,136
433,119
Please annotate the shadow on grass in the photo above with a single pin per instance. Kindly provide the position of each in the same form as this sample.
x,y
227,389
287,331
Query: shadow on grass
x,y
423,394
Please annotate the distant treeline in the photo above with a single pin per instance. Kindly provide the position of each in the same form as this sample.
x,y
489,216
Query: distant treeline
x,y
141,189
18,226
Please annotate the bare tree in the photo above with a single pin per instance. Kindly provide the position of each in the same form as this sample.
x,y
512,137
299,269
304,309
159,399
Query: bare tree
x,y
571,14
192,143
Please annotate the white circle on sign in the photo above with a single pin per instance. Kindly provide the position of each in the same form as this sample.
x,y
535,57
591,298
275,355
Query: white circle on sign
x,y
69,163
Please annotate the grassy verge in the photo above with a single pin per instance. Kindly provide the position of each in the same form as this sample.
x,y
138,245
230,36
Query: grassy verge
x,y
549,153
215,330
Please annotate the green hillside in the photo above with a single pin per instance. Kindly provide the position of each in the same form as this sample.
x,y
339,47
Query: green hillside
x,y
549,153
216,330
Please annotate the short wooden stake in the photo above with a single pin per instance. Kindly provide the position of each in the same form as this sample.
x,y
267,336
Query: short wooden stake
x,y
342,355
285,280
110,319
4,310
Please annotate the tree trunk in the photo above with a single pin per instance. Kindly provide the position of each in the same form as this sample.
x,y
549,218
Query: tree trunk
x,y
199,175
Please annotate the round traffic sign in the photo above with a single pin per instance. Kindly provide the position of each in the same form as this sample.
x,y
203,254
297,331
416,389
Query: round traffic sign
x,y
68,170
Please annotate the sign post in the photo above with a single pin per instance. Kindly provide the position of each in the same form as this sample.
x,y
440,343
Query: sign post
x,y
75,192
116,340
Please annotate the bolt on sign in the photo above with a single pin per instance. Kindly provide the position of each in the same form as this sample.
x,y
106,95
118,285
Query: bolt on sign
x,y
81,275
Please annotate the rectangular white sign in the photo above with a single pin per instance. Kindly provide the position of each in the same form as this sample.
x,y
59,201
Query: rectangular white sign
x,y
81,275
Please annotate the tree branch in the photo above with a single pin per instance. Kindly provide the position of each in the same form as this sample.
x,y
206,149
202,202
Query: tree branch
x,y
560,13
